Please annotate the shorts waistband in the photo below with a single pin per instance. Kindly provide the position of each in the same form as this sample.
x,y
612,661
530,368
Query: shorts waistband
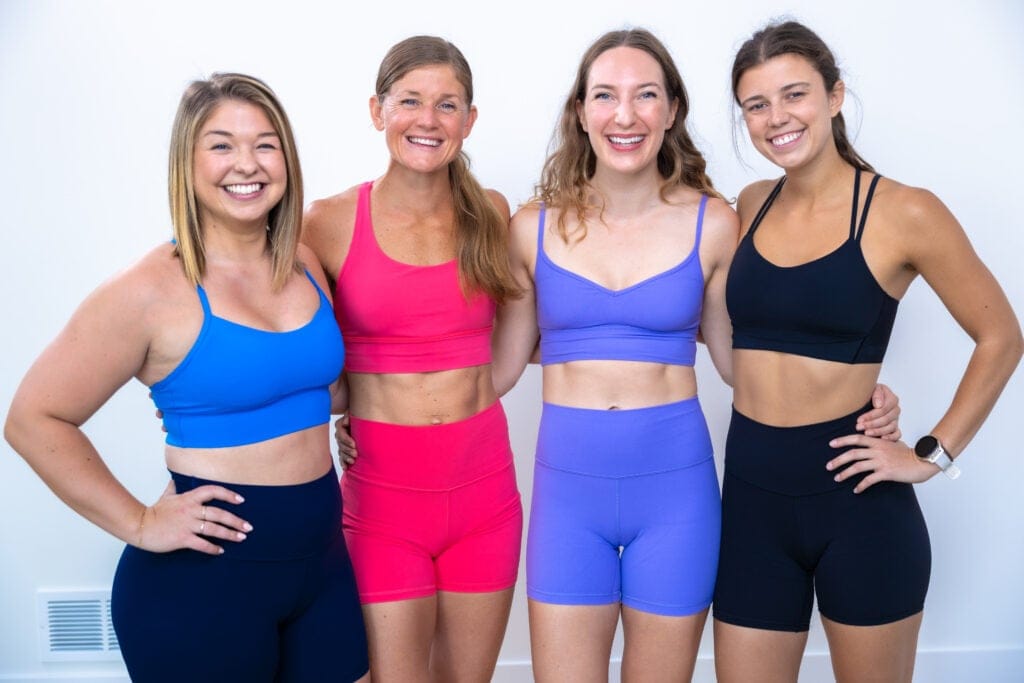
x,y
288,522
787,460
432,457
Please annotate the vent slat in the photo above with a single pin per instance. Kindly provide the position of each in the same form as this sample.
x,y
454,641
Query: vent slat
x,y
76,626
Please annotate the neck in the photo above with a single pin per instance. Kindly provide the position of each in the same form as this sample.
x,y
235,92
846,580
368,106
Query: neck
x,y
410,192
819,177
626,195
223,243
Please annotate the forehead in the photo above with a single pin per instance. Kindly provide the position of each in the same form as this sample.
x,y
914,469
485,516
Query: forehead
x,y
776,73
430,79
237,116
625,66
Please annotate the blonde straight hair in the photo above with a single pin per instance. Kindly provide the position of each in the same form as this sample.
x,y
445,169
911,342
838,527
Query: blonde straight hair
x,y
285,221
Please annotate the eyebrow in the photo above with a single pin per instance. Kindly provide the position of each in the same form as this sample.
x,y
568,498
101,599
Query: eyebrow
x,y
417,93
785,88
640,86
228,134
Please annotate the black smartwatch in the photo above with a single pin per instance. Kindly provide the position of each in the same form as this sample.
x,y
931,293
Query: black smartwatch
x,y
929,449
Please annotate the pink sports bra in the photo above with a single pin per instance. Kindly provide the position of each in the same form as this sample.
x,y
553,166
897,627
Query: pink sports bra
x,y
397,317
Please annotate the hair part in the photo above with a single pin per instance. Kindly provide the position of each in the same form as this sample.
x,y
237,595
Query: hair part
x,y
565,179
793,38
481,232
284,223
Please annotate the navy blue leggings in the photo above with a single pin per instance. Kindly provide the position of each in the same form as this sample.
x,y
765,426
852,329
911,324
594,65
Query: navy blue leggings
x,y
279,606
789,531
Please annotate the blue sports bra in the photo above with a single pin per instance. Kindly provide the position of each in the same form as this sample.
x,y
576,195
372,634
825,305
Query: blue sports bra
x,y
830,308
239,385
655,320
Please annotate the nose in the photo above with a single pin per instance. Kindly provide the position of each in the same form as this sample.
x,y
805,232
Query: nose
x,y
625,113
778,115
245,160
428,117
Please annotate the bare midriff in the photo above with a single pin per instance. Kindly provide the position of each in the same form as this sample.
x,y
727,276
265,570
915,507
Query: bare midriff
x,y
286,460
421,398
785,390
616,384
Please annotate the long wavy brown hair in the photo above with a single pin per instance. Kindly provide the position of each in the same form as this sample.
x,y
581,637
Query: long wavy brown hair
x,y
565,180
481,233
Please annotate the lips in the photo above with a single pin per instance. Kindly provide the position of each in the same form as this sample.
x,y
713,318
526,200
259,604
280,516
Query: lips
x,y
626,140
243,190
786,138
429,142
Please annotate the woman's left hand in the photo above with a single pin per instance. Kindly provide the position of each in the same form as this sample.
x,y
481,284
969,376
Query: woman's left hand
x,y
883,418
883,460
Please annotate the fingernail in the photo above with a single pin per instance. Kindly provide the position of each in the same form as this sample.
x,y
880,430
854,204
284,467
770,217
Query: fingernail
x,y
241,536
247,526
836,477
239,499
220,551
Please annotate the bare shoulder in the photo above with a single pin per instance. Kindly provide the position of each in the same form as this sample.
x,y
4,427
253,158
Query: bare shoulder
x,y
308,260
500,203
327,216
155,278
908,207
523,228
751,198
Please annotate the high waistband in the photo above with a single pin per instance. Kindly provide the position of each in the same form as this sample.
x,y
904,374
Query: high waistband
x,y
288,522
787,460
623,443
432,457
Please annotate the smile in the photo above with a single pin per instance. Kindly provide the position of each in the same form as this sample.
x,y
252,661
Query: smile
x,y
786,138
430,142
250,188
626,140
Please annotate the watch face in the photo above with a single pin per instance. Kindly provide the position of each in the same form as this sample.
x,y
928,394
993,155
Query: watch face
x,y
926,445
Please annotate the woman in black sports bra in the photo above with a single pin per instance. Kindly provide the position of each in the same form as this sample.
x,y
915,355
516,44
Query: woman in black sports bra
x,y
827,252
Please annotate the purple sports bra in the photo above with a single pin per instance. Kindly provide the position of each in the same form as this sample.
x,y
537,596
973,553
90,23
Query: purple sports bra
x,y
656,320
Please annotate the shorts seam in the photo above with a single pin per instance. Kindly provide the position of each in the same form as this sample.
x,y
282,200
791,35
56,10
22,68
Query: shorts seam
x,y
632,475
666,608
764,624
876,621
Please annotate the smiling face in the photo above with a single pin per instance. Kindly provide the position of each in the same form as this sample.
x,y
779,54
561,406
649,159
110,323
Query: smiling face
x,y
239,170
626,110
788,111
425,116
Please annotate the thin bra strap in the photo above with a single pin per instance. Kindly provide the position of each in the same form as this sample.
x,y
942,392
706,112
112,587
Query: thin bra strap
x,y
867,205
767,205
854,204
700,221
540,228
203,300
315,284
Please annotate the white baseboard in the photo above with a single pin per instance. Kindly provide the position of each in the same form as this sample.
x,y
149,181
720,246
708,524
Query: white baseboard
x,y
992,665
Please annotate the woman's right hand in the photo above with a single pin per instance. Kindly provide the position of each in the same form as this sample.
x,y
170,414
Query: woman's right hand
x,y
184,520
346,444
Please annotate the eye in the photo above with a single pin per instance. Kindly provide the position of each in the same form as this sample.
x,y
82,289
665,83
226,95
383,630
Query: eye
x,y
756,107
648,95
267,146
220,146
603,96
409,102
795,95
447,107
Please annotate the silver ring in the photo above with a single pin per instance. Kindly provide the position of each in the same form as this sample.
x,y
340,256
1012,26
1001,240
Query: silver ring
x,y
201,527
203,508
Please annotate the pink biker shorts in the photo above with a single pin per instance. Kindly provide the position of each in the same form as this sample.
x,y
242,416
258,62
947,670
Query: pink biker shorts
x,y
434,507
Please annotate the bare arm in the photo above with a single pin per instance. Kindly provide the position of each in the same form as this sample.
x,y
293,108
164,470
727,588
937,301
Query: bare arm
x,y
515,333
721,232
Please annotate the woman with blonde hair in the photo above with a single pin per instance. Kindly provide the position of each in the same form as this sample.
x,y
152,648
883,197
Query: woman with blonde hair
x,y
239,571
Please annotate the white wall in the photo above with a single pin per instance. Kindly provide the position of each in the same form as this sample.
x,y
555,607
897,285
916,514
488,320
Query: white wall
x,y
89,91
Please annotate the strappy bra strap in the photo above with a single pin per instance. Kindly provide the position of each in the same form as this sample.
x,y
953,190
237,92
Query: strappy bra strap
x,y
203,300
867,205
700,220
767,205
540,227
854,204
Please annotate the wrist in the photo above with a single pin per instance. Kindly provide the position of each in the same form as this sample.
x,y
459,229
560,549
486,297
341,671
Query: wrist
x,y
930,450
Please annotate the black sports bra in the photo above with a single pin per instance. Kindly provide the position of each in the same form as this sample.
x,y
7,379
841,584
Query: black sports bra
x,y
830,308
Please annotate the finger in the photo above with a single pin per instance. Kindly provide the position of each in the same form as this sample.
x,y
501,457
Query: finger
x,y
851,441
855,469
224,524
202,545
210,492
877,417
852,455
894,436
867,482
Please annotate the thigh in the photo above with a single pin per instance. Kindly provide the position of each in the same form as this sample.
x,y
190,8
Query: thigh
x,y
673,520
878,559
571,642
660,648
400,634
873,654
572,548
485,521
470,629
326,639
752,655
186,616
392,535
763,580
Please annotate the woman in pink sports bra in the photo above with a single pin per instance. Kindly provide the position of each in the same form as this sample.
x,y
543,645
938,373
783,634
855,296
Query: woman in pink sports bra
x,y
432,514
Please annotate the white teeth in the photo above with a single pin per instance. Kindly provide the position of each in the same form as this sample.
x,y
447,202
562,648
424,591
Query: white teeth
x,y
425,141
243,189
632,140
786,139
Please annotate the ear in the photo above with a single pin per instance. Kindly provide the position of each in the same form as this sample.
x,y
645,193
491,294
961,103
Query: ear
x,y
581,115
377,112
467,127
672,111
836,97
